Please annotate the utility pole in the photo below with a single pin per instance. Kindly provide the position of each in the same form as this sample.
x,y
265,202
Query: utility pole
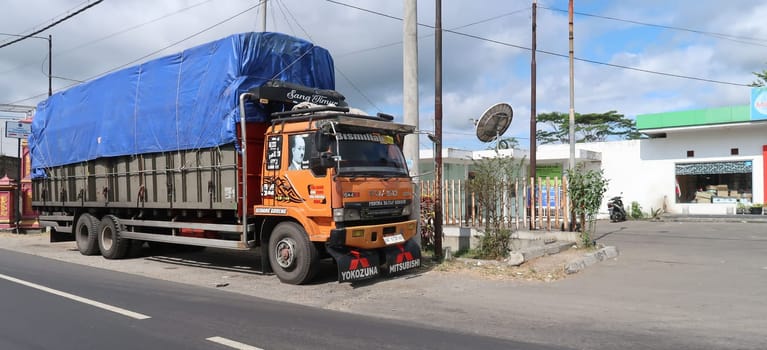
x,y
438,132
50,65
410,100
572,108
263,15
19,200
533,120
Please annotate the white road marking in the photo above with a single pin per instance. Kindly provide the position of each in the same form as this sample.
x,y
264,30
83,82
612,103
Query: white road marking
x,y
232,344
97,304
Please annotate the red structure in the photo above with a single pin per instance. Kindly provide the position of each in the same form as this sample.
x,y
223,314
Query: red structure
x,y
7,199
28,215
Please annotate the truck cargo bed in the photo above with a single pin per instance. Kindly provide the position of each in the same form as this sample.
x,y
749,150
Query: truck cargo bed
x,y
200,179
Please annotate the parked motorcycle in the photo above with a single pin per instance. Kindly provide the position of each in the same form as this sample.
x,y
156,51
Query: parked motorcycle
x,y
616,210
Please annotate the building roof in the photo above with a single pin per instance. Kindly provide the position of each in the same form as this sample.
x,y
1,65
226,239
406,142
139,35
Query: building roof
x,y
662,122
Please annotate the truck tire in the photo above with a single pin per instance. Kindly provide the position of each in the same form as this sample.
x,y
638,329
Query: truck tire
x,y
292,255
111,242
86,234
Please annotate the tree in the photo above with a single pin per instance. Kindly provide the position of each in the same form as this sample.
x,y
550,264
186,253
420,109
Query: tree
x,y
493,185
591,127
761,79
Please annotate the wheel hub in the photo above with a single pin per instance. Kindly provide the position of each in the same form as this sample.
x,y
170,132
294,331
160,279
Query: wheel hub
x,y
285,252
106,238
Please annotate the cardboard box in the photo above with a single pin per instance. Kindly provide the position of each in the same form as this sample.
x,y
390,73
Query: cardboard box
x,y
703,195
722,193
721,187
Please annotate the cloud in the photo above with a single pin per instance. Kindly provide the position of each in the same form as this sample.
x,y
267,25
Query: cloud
x,y
476,73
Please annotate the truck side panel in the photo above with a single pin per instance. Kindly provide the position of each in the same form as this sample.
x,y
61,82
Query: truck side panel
x,y
192,179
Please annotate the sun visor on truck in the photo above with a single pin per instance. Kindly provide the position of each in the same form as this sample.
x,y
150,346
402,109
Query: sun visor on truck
x,y
187,100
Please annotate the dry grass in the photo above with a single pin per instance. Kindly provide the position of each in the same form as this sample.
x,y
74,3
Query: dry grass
x,y
546,268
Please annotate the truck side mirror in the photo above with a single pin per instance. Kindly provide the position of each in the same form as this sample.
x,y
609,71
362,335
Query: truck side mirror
x,y
321,141
319,165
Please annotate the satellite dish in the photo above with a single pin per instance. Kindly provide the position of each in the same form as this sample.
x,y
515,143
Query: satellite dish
x,y
494,122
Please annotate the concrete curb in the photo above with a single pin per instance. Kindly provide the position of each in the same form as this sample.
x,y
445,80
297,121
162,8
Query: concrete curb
x,y
548,249
517,258
605,253
739,218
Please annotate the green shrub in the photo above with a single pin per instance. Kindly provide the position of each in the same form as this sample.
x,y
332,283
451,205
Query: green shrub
x,y
636,210
494,244
586,190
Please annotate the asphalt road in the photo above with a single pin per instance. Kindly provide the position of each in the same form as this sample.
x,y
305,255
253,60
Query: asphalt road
x,y
675,285
38,312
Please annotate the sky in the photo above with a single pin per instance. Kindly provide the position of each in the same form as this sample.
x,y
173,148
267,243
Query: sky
x,y
631,56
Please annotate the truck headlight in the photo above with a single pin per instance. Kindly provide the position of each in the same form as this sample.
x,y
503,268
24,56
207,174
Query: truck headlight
x,y
407,209
346,214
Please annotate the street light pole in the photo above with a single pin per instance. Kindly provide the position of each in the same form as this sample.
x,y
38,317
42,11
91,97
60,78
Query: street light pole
x,y
50,65
19,199
50,56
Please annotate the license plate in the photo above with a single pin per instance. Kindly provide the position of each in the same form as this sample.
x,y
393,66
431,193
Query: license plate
x,y
393,239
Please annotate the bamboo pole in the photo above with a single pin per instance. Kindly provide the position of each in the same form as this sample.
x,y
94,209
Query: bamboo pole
x,y
473,211
540,202
453,201
516,204
548,203
558,201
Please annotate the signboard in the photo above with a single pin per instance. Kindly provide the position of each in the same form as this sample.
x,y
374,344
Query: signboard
x,y
16,129
759,103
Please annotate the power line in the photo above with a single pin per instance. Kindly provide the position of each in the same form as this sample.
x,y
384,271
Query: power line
x,y
431,34
154,52
50,25
182,40
63,13
719,35
285,17
354,86
549,52
63,52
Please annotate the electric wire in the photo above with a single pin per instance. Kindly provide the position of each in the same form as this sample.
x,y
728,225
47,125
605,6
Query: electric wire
x,y
741,39
285,17
153,52
432,34
550,52
26,36
343,75
63,52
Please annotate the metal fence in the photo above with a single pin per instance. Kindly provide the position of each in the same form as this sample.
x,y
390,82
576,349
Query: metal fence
x,y
511,204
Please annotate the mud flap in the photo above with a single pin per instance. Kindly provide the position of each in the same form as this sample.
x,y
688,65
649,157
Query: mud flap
x,y
355,264
402,257
56,236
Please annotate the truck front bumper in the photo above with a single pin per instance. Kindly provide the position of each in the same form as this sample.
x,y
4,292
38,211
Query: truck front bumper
x,y
373,236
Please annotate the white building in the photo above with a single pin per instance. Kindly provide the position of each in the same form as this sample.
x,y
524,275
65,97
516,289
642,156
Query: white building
x,y
694,162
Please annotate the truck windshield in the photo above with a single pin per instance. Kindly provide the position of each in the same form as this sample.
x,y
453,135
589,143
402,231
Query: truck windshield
x,y
370,157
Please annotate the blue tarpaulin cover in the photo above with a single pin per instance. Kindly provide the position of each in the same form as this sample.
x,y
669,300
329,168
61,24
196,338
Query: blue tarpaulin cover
x,y
187,100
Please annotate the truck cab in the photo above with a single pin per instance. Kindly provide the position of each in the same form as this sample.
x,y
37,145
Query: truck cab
x,y
334,182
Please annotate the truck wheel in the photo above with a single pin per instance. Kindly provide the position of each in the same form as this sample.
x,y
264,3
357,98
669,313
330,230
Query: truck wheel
x,y
111,243
292,255
86,234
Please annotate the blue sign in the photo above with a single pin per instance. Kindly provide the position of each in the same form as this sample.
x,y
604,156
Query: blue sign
x,y
759,103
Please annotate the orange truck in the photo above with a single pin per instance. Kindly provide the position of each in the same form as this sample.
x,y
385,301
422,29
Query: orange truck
x,y
288,169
